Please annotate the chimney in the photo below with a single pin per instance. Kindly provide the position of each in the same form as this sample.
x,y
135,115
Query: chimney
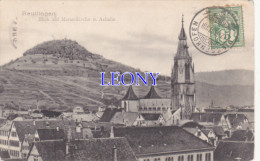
x,y
67,148
114,153
58,128
34,122
236,115
69,134
112,132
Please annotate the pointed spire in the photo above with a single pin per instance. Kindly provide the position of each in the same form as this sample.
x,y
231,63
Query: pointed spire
x,y
182,35
130,94
182,51
152,93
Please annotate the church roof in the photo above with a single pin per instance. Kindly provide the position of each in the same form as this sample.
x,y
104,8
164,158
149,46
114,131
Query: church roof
x,y
182,51
130,94
152,93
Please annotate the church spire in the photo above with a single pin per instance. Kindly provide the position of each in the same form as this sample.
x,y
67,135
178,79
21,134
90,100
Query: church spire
x,y
182,51
182,35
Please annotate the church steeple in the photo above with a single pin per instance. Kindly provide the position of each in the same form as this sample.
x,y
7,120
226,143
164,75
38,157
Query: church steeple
x,y
182,51
182,81
182,35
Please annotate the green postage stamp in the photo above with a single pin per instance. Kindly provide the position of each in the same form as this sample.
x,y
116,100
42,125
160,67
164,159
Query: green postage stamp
x,y
226,27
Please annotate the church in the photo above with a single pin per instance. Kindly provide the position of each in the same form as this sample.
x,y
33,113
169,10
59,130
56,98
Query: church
x,y
183,93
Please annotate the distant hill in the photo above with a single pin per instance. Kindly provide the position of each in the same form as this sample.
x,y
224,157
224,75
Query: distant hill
x,y
227,77
61,74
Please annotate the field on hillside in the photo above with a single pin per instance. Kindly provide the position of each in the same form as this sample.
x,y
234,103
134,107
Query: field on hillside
x,y
65,92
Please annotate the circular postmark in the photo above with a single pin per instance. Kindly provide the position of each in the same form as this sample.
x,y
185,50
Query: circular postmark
x,y
214,30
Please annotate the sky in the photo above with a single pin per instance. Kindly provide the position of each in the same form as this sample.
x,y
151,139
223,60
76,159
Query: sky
x,y
142,34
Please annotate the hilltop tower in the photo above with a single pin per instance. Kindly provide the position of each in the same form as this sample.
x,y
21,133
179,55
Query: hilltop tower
x,y
182,79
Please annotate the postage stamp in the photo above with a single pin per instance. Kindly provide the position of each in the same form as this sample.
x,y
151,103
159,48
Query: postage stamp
x,y
214,30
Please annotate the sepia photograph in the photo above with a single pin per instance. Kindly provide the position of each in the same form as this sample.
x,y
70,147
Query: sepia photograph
x,y
127,80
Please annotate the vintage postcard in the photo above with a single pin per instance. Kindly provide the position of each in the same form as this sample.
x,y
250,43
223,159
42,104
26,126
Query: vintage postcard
x,y
127,80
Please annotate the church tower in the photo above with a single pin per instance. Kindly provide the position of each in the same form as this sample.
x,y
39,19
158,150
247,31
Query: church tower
x,y
182,79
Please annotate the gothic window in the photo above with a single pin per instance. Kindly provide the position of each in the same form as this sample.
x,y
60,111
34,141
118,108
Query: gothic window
x,y
187,72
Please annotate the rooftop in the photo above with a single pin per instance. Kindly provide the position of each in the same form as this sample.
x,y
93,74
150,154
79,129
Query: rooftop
x,y
144,140
100,150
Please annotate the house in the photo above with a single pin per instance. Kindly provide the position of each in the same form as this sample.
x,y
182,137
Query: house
x,y
78,110
84,117
216,119
47,151
49,134
127,118
4,135
101,149
237,121
164,142
19,129
198,133
152,119
212,137
26,145
250,114
108,114
242,135
218,131
233,151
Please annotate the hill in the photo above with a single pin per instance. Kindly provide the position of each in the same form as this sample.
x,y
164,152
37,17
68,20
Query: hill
x,y
61,74
227,77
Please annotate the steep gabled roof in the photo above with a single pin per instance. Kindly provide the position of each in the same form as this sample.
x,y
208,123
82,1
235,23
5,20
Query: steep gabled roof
x,y
152,94
229,150
218,130
101,150
108,114
127,118
51,150
51,134
242,135
152,140
130,94
30,126
236,119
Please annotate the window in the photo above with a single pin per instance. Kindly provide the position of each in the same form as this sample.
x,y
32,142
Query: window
x,y
36,158
187,72
14,143
169,159
24,155
199,157
208,157
180,158
13,134
190,157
